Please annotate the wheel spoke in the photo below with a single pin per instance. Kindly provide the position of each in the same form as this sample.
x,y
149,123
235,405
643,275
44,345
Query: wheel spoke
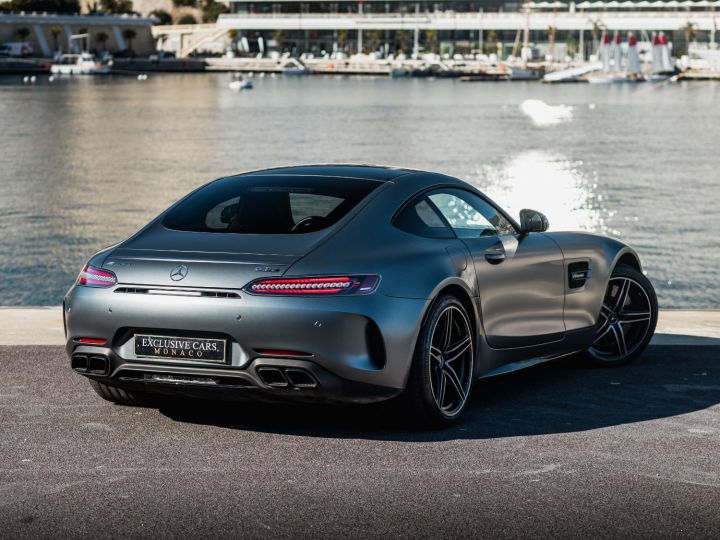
x,y
436,354
442,383
603,328
451,375
447,331
632,317
457,349
619,339
622,295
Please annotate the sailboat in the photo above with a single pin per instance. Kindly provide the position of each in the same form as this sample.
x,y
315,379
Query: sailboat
x,y
662,66
632,72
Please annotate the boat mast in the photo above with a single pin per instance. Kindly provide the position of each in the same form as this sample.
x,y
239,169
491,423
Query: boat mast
x,y
416,45
525,53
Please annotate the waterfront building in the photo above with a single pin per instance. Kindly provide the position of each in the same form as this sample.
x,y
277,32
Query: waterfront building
x,y
452,27
48,33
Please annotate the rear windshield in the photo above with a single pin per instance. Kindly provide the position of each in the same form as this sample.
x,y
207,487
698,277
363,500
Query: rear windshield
x,y
268,204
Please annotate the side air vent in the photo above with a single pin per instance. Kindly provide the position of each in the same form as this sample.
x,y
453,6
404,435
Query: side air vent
x,y
177,291
578,274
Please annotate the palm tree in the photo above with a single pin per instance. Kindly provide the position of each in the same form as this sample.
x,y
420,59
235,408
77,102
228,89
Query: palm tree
x,y
597,29
431,39
402,38
101,38
55,31
129,35
491,43
691,34
374,39
232,36
278,36
342,36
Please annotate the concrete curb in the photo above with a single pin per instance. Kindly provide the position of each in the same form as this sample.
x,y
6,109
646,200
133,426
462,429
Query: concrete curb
x,y
43,326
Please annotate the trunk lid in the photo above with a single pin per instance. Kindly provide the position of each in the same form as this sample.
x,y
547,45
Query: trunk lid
x,y
210,260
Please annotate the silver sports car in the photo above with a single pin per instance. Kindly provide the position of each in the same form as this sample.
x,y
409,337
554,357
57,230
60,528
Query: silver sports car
x,y
343,283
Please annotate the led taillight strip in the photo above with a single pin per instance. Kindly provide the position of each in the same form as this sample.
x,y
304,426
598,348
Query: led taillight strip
x,y
331,285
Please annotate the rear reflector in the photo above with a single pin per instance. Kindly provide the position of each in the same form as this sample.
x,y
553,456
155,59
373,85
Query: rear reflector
x,y
315,286
96,277
91,341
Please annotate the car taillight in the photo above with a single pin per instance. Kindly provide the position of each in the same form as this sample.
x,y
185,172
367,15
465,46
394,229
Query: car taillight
x,y
95,277
315,286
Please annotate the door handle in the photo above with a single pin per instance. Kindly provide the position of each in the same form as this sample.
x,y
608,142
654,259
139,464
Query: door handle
x,y
495,256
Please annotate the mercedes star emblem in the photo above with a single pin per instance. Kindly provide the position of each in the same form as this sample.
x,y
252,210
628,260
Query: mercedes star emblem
x,y
179,272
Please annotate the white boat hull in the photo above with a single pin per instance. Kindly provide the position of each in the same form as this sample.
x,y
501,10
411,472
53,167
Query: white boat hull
x,y
65,69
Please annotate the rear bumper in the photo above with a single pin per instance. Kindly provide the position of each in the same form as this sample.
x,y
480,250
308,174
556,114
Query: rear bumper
x,y
359,348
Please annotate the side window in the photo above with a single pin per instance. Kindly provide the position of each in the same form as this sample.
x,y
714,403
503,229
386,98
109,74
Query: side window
x,y
469,215
421,219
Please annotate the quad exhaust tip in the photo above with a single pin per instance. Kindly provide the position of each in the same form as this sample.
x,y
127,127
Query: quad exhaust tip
x,y
286,377
94,364
79,362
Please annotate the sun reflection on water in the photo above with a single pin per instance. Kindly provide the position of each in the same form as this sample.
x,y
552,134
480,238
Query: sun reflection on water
x,y
549,183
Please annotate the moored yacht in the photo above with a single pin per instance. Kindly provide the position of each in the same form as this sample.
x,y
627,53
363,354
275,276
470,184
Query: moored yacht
x,y
79,64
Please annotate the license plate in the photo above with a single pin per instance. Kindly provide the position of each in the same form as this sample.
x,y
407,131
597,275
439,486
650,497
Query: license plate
x,y
180,348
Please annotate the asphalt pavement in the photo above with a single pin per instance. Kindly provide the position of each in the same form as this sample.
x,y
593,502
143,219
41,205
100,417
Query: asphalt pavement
x,y
556,451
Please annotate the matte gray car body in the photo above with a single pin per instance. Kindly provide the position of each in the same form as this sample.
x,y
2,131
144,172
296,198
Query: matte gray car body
x,y
361,346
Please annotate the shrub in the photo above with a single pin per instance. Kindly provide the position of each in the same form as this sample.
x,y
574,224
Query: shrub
x,y
187,19
212,10
162,16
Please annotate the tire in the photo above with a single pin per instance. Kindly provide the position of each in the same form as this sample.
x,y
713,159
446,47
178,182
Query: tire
x,y
627,319
119,396
442,371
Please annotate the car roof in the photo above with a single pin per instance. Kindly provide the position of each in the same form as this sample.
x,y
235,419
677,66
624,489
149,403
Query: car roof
x,y
367,172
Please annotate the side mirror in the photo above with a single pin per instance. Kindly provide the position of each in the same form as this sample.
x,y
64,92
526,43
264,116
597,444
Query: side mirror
x,y
533,221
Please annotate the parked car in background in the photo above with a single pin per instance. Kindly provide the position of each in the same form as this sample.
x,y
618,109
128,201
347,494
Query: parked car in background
x,y
16,49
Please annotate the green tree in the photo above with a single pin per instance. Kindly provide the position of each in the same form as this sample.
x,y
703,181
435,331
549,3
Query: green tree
x,y
596,30
55,31
402,38
128,35
184,3
233,36
101,38
691,34
342,36
279,37
187,19
490,43
374,38
162,16
431,40
211,11
571,45
116,6
51,6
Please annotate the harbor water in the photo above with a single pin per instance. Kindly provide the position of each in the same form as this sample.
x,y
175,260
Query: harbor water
x,y
86,162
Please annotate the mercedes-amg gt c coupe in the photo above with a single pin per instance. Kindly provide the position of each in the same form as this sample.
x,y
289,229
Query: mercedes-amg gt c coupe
x,y
346,283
